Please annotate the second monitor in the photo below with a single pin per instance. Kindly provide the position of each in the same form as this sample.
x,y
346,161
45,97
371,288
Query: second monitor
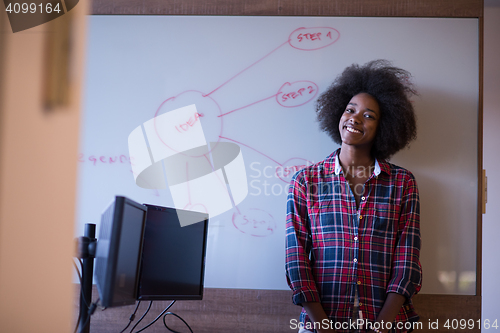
x,y
173,258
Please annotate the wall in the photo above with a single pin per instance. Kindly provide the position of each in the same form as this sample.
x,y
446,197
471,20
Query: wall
x,y
37,181
491,160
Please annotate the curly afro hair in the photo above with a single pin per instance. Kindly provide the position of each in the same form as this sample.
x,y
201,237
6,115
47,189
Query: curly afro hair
x,y
391,87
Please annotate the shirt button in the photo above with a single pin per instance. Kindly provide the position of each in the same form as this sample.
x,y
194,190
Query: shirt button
x,y
355,238
360,217
363,198
355,260
359,282
360,304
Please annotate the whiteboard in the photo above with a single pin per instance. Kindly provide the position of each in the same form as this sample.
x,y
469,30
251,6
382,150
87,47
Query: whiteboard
x,y
254,80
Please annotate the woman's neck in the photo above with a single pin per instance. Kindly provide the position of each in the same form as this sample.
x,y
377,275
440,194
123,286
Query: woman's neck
x,y
351,157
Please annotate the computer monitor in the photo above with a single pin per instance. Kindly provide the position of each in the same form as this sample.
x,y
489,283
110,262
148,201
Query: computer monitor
x,y
119,251
173,257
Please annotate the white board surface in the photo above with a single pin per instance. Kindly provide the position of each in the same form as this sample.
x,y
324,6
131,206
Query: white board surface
x,y
243,68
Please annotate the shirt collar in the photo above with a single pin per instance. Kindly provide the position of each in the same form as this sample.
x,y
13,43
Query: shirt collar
x,y
338,167
379,167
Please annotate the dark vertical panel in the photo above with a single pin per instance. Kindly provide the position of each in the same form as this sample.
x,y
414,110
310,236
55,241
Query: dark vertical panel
x,y
480,185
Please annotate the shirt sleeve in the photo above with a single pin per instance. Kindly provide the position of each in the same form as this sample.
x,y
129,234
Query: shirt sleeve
x,y
298,244
406,278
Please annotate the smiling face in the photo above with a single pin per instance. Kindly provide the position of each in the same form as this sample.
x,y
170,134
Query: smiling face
x,y
358,125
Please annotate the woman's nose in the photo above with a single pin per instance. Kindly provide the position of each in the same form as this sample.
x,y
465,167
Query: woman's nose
x,y
355,118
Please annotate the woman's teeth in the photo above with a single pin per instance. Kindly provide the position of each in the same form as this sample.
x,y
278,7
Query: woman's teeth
x,y
352,130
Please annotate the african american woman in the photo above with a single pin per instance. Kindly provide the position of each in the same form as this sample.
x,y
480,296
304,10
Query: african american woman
x,y
353,225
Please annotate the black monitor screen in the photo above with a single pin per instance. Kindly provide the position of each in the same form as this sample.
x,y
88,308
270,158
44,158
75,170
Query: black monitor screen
x,y
119,249
173,258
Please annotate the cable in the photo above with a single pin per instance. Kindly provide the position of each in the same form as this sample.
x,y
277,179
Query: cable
x,y
81,292
144,315
92,308
78,271
81,281
173,314
156,319
132,317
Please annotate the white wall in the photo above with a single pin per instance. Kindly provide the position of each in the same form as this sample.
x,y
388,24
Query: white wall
x,y
491,160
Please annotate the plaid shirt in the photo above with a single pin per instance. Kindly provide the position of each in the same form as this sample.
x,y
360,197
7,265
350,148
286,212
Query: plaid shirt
x,y
332,247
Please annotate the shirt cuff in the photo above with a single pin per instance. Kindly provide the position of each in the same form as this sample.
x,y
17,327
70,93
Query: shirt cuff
x,y
304,295
405,288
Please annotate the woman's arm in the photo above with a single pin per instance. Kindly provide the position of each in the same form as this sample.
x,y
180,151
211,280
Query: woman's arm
x,y
298,244
406,275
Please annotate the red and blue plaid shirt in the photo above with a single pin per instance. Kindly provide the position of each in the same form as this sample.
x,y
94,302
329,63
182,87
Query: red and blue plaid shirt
x,y
332,247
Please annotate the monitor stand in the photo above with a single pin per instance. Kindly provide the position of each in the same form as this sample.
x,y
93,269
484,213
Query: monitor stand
x,y
86,252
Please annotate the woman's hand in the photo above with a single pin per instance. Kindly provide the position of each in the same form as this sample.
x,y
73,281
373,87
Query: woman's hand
x,y
317,314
